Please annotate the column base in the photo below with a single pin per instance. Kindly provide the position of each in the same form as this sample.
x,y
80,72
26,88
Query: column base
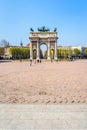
x,y
38,58
31,58
55,58
48,58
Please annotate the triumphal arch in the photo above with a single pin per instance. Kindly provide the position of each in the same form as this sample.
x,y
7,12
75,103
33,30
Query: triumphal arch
x,y
43,36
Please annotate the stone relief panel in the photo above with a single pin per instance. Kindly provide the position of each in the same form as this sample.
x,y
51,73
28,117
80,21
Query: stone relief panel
x,y
52,46
52,35
43,41
34,46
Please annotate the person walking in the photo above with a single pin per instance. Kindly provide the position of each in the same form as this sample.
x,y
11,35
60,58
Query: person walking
x,y
35,62
30,63
40,60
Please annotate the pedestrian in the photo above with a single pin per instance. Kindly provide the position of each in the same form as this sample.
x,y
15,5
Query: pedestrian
x,y
30,62
35,62
40,60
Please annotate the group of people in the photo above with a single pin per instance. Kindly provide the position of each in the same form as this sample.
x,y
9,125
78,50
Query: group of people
x,y
38,61
35,61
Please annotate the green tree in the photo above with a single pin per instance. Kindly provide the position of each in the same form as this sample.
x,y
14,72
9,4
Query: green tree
x,y
77,52
64,53
70,53
1,51
85,52
25,52
59,53
19,53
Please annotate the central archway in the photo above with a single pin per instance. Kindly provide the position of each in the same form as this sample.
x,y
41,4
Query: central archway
x,y
43,51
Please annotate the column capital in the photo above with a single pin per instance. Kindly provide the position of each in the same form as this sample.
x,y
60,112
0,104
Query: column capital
x,y
48,39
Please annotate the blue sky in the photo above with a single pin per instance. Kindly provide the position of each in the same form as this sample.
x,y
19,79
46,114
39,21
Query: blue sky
x,y
69,16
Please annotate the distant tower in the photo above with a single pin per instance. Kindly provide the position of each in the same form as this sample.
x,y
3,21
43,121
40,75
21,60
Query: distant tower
x,y
21,44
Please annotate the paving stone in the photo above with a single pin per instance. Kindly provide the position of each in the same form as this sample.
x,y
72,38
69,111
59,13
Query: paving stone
x,y
43,117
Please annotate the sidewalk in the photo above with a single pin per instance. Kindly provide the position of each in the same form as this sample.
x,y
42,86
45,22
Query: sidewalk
x,y
43,117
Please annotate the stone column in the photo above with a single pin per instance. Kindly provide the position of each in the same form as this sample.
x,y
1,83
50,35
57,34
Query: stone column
x,y
55,57
48,57
38,50
31,51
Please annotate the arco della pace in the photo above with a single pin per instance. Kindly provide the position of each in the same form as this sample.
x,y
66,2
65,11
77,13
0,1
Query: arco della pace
x,y
43,36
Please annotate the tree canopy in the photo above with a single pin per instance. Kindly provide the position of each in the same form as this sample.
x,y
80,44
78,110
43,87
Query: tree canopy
x,y
77,52
1,51
85,51
18,53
